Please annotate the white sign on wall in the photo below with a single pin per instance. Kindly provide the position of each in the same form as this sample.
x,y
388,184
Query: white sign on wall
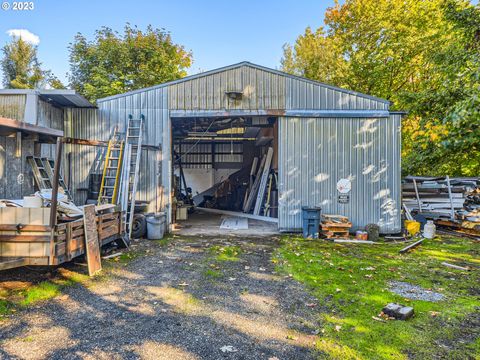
x,y
344,186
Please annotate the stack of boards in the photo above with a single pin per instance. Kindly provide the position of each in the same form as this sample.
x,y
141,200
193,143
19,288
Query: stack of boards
x,y
335,226
437,198
259,186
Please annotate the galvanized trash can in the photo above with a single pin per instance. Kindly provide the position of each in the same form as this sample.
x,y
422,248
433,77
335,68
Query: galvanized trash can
x,y
311,221
156,226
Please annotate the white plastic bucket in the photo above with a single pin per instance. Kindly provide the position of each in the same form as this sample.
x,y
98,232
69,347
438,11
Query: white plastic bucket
x,y
155,226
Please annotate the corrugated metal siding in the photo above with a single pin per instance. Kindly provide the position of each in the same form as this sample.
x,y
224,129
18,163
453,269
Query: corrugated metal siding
x,y
97,124
306,95
16,178
314,153
13,106
51,117
261,90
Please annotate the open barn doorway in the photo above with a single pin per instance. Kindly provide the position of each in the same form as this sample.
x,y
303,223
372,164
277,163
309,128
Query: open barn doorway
x,y
225,174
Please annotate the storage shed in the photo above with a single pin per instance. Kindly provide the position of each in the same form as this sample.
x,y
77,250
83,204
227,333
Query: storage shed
x,y
332,148
30,121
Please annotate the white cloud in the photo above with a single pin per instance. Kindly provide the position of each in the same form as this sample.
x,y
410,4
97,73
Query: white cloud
x,y
26,35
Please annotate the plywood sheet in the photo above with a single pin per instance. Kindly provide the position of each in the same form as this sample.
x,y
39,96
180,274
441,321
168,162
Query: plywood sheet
x,y
234,223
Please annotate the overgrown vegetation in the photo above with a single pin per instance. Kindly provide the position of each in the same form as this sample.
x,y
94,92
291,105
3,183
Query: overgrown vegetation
x,y
421,55
351,283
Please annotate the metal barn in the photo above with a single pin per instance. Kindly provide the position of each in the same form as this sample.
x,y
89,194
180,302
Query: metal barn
x,y
322,136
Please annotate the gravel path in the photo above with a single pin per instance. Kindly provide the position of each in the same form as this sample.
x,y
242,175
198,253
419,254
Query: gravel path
x,y
176,301
414,292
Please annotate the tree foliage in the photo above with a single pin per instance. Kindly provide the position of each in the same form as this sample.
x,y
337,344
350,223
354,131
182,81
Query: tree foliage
x,y
114,63
21,68
420,55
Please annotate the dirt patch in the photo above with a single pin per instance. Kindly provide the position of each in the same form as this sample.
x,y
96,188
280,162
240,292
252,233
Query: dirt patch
x,y
167,303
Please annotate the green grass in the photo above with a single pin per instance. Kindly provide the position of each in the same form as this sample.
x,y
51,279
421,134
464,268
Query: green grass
x,y
212,274
351,283
42,291
6,307
226,253
13,300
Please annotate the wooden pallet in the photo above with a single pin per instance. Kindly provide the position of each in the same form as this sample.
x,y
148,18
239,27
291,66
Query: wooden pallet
x,y
335,226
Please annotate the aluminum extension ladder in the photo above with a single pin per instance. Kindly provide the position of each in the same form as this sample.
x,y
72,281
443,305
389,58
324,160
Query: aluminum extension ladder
x,y
131,167
109,185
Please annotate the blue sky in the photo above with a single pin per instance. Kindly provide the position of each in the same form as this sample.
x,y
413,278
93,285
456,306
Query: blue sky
x,y
218,32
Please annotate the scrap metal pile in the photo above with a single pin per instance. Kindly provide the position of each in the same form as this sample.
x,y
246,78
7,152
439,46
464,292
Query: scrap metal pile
x,y
453,202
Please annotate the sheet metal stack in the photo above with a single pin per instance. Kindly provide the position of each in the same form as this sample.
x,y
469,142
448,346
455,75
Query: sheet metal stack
x,y
439,198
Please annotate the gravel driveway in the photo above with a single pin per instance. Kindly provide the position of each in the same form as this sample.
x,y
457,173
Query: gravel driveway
x,y
176,301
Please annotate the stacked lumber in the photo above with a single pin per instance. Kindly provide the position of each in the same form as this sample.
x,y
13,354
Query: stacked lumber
x,y
437,198
335,226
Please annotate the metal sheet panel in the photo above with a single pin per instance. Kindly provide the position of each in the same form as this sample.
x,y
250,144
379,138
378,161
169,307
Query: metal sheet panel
x,y
314,153
306,95
12,106
261,90
97,124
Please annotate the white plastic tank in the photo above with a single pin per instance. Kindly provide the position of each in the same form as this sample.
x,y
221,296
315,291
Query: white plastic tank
x,y
429,230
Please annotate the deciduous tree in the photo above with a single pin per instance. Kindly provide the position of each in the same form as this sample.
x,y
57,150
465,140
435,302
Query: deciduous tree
x,y
114,63
21,68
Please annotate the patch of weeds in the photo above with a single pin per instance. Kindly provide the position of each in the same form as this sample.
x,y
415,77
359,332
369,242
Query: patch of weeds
x,y
351,283
6,307
163,242
128,256
226,253
212,274
69,278
42,291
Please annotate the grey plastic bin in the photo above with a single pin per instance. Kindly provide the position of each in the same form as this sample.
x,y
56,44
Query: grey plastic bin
x,y
156,226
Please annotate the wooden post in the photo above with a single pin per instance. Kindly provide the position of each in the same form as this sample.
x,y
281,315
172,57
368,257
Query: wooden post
x,y
53,206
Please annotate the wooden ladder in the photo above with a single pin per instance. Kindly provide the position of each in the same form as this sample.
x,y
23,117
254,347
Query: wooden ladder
x,y
49,165
111,170
43,174
40,174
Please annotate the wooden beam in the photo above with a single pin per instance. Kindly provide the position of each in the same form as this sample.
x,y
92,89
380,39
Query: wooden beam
x,y
23,126
24,238
70,140
24,227
411,246
53,213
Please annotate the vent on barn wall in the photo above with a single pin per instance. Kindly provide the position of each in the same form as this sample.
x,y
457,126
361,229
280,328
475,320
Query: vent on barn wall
x,y
234,95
